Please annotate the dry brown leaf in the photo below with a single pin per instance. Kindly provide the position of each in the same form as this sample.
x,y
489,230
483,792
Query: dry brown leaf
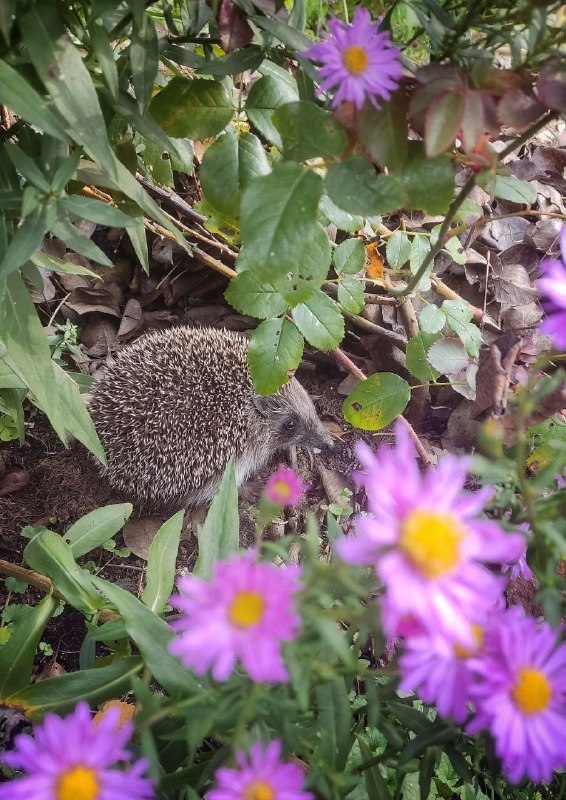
x,y
139,533
494,375
132,320
374,262
127,711
87,300
13,481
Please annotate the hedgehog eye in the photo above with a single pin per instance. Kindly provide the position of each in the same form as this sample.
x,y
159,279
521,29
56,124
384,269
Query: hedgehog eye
x,y
291,424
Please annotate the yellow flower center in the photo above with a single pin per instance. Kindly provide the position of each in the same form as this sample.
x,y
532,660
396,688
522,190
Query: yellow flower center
x,y
78,783
467,652
258,790
355,59
247,608
432,542
282,489
532,691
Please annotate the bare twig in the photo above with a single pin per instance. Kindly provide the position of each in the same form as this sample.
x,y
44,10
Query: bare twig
x,y
371,327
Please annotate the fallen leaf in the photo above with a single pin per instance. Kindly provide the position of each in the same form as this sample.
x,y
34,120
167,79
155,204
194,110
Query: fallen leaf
x,y
13,481
139,533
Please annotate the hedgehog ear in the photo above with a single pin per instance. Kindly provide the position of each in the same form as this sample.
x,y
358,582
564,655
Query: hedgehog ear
x,y
266,404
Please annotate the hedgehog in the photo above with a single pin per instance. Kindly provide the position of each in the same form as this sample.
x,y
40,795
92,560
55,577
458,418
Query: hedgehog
x,y
173,407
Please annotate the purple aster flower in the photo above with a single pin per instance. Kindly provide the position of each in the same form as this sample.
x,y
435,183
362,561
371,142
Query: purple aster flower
x,y
284,487
438,671
427,541
74,758
520,695
260,776
519,567
358,60
244,613
553,289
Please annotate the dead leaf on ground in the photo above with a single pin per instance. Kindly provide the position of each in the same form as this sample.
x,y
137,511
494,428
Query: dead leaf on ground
x,y
132,320
13,481
512,286
139,533
494,375
87,300
51,670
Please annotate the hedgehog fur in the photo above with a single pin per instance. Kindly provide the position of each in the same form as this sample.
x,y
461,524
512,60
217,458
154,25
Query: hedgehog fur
x,y
174,406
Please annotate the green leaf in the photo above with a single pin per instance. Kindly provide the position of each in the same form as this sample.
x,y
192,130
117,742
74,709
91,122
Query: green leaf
x,y
144,58
28,238
104,54
314,262
320,321
334,723
152,636
431,319
25,350
267,94
349,257
97,211
50,555
96,527
275,351
66,231
251,294
195,109
94,686
247,58
384,133
219,537
27,167
417,362
419,248
354,186
458,314
278,215
228,166
428,182
73,414
308,131
351,295
398,249
448,356
453,246
22,98
55,264
508,187
282,31
443,120
18,654
60,66
161,560
376,785
377,401
338,217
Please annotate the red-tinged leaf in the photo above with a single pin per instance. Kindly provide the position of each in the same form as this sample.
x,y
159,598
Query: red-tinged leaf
x,y
424,96
234,28
442,123
519,107
473,122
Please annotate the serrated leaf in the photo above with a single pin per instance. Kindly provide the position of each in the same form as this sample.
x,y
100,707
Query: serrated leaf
x,y
349,256
314,262
250,293
320,321
377,401
458,314
419,248
193,109
508,187
354,186
228,166
161,561
338,217
275,351
219,537
351,295
431,319
428,182
398,249
266,95
97,527
448,355
417,362
278,215
308,131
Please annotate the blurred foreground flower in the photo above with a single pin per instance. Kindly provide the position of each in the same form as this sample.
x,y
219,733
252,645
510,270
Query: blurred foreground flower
x,y
358,60
425,538
244,613
284,487
520,696
73,758
553,290
260,776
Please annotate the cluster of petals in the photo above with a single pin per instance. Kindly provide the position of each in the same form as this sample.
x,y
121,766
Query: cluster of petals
x,y
243,614
428,542
359,62
520,695
261,775
75,758
552,287
284,487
